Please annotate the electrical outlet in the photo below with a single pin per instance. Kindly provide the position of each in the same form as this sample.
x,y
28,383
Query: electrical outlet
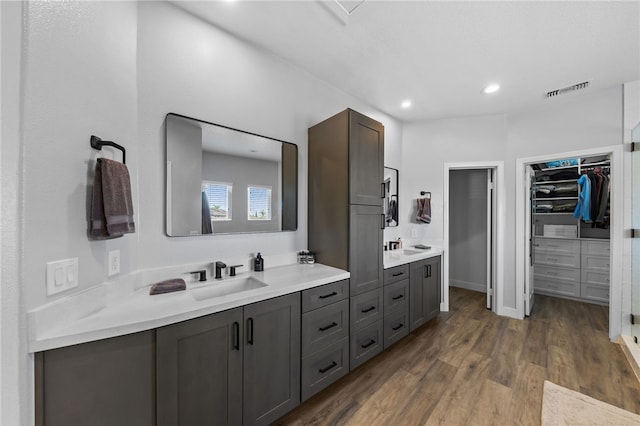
x,y
414,233
113,264
62,275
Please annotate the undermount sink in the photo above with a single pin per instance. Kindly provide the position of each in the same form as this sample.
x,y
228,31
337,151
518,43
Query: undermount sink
x,y
227,287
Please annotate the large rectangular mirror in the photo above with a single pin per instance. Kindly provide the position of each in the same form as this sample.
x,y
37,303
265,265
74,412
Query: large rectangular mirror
x,y
223,181
391,197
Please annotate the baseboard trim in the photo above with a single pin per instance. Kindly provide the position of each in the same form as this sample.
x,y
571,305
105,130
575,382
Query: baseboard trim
x,y
508,312
632,352
482,288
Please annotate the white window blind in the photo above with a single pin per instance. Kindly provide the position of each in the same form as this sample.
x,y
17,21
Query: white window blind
x,y
219,197
259,203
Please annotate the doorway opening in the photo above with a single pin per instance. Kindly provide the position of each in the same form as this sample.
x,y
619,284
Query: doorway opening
x,y
557,254
473,230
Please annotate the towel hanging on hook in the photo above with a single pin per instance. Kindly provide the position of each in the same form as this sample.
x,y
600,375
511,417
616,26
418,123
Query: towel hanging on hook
x,y
97,143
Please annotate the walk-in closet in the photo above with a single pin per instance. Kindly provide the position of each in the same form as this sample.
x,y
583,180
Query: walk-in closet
x,y
570,228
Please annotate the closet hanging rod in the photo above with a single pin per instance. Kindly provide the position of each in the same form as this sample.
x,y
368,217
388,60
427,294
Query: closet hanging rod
x,y
97,143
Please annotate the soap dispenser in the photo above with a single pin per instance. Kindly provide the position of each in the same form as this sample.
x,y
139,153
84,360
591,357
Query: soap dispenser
x,y
258,263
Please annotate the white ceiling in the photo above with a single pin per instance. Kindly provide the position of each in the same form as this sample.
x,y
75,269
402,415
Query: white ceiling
x,y
440,54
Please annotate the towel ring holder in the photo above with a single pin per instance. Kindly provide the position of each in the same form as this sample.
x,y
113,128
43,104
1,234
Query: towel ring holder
x,y
97,143
428,194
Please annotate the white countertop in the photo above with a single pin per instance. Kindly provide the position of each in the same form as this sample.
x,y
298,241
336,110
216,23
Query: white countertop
x,y
52,326
409,254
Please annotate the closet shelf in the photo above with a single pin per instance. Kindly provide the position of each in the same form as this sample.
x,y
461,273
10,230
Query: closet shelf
x,y
553,213
555,198
548,169
551,182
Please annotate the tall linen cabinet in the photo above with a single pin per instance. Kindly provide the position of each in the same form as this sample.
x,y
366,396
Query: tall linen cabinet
x,y
346,221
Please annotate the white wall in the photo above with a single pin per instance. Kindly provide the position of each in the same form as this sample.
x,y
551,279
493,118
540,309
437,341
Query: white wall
x,y
189,67
572,122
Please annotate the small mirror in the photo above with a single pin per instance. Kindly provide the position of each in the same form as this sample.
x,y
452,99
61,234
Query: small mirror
x,y
223,181
391,196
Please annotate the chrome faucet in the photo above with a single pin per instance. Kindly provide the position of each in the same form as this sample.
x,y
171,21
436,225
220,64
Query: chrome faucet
x,y
219,267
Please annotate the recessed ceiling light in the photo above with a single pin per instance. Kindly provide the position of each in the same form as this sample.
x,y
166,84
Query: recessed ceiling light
x,y
492,88
406,104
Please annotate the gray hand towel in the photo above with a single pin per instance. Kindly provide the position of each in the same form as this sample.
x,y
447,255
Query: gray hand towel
x,y
111,205
176,284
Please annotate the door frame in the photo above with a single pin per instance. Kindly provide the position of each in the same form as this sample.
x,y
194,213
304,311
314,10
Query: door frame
x,y
498,214
616,232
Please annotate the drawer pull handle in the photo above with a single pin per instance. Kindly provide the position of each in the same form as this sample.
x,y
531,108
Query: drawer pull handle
x,y
327,327
324,296
397,327
369,309
397,274
398,297
328,367
369,343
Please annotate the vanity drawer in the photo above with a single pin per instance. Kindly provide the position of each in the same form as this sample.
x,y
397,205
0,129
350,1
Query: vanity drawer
x,y
396,296
324,367
397,273
568,260
317,297
599,248
557,245
600,278
555,272
594,292
566,288
366,308
396,326
365,344
595,263
324,326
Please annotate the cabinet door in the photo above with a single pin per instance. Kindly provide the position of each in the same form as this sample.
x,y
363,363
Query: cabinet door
x,y
106,382
365,248
432,288
424,291
366,160
199,371
271,359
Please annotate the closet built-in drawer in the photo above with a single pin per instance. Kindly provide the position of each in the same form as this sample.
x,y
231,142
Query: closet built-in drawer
x,y
366,308
595,263
598,248
324,326
324,367
397,273
595,292
317,297
560,287
555,272
396,297
557,245
600,278
567,260
395,326
365,344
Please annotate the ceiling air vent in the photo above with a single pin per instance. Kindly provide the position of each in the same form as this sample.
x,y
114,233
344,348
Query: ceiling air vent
x,y
568,89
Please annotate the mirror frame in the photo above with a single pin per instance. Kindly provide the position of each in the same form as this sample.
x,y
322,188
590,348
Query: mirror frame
x,y
290,182
390,194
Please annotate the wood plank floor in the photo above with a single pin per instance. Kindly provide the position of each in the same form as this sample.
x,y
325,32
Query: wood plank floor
x,y
469,366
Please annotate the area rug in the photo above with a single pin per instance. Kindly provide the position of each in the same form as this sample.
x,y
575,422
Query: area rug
x,y
562,406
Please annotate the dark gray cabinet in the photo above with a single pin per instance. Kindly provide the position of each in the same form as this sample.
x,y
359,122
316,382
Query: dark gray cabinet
x,y
271,359
346,221
240,366
424,291
106,382
199,371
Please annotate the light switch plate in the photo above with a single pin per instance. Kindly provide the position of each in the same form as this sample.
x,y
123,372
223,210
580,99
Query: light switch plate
x,y
113,263
414,233
62,275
